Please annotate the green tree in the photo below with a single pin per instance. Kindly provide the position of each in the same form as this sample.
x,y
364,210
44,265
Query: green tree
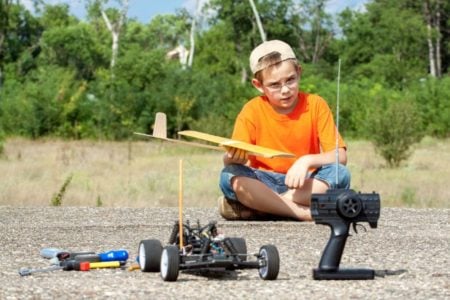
x,y
387,43
75,47
19,35
313,30
56,16
168,31
431,97
395,128
34,107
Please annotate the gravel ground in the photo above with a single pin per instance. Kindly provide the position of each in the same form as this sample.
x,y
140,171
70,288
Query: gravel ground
x,y
414,242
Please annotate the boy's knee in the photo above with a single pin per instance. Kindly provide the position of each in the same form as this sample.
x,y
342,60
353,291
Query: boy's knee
x,y
228,174
344,177
328,174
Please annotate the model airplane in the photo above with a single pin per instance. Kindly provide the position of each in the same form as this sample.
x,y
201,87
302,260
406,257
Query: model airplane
x,y
160,132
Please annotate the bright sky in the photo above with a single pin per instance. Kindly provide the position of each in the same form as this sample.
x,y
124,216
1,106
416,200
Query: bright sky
x,y
145,10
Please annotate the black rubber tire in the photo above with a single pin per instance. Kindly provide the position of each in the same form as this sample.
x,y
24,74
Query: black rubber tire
x,y
170,263
241,247
269,253
150,255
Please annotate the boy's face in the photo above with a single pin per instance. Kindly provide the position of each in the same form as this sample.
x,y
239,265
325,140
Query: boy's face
x,y
280,85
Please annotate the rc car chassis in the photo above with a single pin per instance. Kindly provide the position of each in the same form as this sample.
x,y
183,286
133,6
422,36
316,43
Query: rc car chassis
x,y
204,249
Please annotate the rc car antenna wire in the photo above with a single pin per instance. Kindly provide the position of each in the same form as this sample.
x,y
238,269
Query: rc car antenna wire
x,y
337,122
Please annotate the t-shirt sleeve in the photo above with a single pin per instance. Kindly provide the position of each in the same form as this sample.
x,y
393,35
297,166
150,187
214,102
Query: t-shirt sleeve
x,y
244,129
326,128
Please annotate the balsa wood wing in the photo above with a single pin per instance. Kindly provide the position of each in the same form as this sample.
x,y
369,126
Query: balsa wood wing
x,y
225,142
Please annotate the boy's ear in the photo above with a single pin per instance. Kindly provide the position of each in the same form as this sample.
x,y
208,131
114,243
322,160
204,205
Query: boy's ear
x,y
258,85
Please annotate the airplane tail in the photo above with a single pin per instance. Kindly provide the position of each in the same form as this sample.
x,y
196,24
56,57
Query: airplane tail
x,y
160,126
160,132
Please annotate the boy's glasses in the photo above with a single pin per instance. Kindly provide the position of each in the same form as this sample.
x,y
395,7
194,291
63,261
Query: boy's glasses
x,y
277,86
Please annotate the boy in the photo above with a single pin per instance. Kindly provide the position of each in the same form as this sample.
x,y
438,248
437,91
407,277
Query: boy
x,y
285,119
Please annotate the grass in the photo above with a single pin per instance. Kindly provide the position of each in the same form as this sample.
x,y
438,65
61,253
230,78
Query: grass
x,y
419,182
146,174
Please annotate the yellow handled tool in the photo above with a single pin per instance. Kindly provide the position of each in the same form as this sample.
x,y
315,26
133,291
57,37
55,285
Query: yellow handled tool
x,y
104,264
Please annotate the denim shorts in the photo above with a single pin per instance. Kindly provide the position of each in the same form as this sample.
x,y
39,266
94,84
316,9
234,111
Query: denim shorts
x,y
275,181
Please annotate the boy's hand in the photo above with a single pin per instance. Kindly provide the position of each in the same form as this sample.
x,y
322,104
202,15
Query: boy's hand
x,y
235,156
296,176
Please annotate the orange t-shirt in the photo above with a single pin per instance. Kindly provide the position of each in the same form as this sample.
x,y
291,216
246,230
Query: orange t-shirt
x,y
308,129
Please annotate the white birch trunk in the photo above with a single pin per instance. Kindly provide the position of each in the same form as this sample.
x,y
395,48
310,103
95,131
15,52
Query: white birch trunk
x,y
431,50
258,21
317,43
192,34
115,31
192,44
438,39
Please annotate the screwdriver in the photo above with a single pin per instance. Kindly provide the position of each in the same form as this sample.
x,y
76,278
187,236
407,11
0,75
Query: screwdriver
x,y
68,265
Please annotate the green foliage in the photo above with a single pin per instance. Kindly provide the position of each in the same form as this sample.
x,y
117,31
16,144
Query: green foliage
x,y
395,127
58,198
386,43
432,99
19,31
74,47
55,76
409,197
2,143
168,30
99,202
214,58
34,107
57,16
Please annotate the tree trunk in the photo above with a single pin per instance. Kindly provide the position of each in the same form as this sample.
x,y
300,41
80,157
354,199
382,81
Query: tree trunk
x,y
314,33
192,34
431,50
258,21
317,29
437,27
115,48
115,28
244,76
304,48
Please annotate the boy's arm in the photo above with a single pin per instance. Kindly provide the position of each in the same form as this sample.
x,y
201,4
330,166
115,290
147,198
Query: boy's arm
x,y
325,158
241,132
296,176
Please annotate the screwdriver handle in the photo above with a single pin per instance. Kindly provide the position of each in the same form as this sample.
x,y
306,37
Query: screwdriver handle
x,y
70,265
104,264
114,255
51,252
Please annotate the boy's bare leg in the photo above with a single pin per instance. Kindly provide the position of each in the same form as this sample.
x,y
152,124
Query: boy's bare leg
x,y
302,196
294,203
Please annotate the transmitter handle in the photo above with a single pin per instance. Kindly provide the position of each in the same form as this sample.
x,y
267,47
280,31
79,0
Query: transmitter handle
x,y
332,254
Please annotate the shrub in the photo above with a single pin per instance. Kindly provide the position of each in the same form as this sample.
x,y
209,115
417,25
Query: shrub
x,y
394,129
2,143
57,198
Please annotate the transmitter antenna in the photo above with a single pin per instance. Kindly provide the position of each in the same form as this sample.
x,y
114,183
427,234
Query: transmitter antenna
x,y
337,123
338,209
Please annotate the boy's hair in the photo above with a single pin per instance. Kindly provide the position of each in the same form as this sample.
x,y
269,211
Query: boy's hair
x,y
272,60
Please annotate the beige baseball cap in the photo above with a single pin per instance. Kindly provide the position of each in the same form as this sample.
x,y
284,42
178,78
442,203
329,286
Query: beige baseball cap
x,y
266,48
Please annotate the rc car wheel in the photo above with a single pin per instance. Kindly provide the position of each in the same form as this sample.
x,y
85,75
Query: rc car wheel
x,y
170,263
149,255
271,267
240,246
